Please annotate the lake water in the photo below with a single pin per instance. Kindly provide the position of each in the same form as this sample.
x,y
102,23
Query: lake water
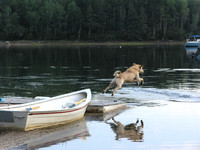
x,y
167,103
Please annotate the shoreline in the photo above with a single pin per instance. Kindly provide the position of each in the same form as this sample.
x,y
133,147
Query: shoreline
x,y
164,128
33,43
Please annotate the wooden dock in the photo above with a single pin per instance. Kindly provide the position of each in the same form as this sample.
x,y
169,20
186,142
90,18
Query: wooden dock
x,y
104,106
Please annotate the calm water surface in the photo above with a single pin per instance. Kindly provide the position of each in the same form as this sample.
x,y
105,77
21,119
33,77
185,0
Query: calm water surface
x,y
168,102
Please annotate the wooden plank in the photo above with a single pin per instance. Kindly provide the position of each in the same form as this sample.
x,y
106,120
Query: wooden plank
x,y
103,106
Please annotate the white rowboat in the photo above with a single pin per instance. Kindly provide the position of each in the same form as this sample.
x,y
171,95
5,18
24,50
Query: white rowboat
x,y
45,112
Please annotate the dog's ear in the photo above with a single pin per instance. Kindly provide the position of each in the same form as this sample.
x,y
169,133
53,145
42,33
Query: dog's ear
x,y
141,66
134,64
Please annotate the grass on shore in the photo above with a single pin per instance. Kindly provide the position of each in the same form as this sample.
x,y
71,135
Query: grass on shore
x,y
76,43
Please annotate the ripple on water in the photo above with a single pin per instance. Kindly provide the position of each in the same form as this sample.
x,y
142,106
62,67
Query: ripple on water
x,y
152,94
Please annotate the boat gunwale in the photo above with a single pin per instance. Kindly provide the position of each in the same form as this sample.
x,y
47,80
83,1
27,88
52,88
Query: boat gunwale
x,y
88,97
68,110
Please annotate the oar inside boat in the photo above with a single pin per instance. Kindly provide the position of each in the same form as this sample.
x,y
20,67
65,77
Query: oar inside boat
x,y
77,103
30,108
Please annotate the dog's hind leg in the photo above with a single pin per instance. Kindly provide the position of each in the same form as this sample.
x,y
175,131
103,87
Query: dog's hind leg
x,y
111,85
119,85
108,87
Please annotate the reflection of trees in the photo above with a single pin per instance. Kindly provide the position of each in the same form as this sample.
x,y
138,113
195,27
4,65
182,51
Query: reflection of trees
x,y
104,58
78,64
131,131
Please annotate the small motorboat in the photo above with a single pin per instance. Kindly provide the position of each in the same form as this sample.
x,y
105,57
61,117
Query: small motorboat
x,y
193,41
45,111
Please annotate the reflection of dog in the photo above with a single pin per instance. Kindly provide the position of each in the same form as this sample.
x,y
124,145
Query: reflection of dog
x,y
130,75
131,131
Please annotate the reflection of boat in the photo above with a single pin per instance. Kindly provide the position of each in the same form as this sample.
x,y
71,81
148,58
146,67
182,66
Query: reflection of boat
x,y
193,41
44,137
45,112
193,52
131,131
190,50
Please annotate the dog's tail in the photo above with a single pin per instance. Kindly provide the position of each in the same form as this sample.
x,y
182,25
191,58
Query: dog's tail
x,y
117,73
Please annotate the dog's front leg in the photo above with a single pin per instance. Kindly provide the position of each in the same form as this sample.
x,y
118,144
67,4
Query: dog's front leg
x,y
142,82
138,79
138,83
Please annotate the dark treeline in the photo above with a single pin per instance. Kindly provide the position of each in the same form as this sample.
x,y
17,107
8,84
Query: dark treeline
x,y
99,20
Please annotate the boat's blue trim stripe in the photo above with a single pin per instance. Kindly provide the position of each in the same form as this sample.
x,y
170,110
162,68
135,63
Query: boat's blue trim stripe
x,y
195,36
192,44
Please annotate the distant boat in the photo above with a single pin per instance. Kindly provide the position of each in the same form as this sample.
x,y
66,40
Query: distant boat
x,y
193,41
45,112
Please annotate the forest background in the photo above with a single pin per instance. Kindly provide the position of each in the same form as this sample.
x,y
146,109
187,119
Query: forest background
x,y
99,20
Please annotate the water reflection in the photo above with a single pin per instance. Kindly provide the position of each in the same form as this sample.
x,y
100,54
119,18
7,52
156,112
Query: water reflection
x,y
133,131
30,72
44,137
104,116
170,75
193,52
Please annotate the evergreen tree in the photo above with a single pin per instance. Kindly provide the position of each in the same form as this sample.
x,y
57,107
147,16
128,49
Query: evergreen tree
x,y
143,27
132,23
99,19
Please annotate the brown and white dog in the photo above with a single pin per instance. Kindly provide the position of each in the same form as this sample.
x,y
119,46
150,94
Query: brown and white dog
x,y
130,75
